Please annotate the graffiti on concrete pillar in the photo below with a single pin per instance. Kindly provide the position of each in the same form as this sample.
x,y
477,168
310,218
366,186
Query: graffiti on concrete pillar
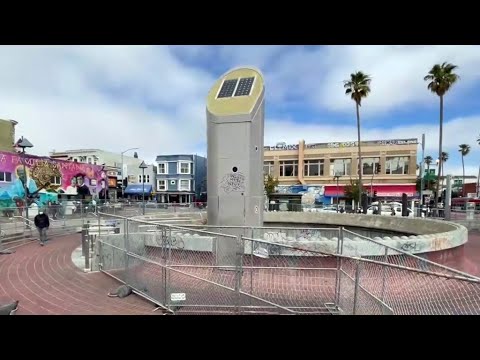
x,y
233,182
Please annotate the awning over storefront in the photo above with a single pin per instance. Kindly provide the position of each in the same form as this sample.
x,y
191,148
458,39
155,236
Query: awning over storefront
x,y
387,190
135,189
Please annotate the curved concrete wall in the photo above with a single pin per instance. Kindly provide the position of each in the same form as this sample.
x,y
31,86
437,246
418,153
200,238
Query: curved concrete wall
x,y
425,235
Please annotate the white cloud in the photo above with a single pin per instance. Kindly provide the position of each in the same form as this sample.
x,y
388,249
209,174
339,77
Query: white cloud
x,y
115,97
316,75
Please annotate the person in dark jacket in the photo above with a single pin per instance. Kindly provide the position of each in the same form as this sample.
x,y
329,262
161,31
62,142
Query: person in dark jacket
x,y
42,223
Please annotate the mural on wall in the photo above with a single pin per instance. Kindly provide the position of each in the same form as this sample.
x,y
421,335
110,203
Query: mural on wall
x,y
44,179
311,194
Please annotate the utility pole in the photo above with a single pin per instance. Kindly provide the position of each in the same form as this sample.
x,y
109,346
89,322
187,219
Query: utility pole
x,y
422,164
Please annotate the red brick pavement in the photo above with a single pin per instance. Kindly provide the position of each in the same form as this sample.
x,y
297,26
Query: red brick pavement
x,y
45,281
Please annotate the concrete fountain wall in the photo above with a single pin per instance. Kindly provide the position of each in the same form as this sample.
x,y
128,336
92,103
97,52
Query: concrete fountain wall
x,y
420,235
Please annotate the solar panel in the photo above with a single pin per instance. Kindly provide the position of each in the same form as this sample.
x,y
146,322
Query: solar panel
x,y
244,86
228,88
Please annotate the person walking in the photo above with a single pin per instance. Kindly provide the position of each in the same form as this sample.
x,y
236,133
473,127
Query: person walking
x,y
42,223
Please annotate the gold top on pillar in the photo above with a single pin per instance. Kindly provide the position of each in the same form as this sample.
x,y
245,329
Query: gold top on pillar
x,y
236,92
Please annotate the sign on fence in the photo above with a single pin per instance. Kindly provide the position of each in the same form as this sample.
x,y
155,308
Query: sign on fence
x,y
178,297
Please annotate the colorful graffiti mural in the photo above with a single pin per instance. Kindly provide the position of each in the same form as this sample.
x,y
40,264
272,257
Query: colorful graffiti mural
x,y
311,194
44,179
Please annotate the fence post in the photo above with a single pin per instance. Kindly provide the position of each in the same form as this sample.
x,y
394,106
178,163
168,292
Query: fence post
x,y
126,248
384,278
167,234
99,224
339,267
357,284
84,235
238,272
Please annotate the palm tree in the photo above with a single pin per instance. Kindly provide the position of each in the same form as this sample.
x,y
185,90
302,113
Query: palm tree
x,y
428,160
441,78
478,139
464,150
358,87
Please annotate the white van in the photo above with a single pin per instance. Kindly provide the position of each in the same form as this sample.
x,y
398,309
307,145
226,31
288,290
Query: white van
x,y
387,209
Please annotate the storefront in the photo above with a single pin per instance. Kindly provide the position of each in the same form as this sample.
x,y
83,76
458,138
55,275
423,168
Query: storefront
x,y
383,191
175,197
134,191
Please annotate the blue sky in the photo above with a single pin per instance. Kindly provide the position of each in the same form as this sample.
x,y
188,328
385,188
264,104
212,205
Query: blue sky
x,y
153,97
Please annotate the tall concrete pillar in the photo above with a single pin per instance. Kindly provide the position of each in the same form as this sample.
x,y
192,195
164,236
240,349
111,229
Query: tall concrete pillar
x,y
235,131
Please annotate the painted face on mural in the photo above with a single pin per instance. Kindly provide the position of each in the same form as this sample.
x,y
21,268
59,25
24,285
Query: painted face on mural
x,y
73,182
79,180
21,174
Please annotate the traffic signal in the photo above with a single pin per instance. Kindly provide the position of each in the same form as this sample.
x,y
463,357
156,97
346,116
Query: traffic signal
x,y
374,194
378,168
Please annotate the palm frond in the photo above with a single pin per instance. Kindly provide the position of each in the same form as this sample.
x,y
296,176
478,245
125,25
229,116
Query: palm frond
x,y
358,86
441,78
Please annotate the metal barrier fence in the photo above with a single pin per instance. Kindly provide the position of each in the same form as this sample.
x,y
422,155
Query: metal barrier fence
x,y
189,270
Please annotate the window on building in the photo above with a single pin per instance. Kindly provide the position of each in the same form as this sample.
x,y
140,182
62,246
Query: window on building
x,y
268,168
5,177
397,165
370,166
184,185
289,168
161,185
184,168
340,167
56,180
89,160
146,178
162,168
313,168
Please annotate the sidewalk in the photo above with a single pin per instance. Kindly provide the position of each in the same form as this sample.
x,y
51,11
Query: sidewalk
x,y
45,281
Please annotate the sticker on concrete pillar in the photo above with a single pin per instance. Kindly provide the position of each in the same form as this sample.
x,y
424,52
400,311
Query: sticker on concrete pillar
x,y
178,297
256,209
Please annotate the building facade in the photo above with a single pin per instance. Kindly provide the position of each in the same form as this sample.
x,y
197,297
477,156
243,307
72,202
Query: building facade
x,y
7,135
180,178
112,162
389,167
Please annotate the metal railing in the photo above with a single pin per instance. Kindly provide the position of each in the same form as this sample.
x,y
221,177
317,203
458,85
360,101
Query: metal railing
x,y
235,270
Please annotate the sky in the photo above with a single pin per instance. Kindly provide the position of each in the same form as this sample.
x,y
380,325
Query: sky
x,y
153,97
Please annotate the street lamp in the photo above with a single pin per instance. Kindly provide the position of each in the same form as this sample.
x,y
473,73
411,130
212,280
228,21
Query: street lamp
x,y
23,143
123,175
143,166
336,177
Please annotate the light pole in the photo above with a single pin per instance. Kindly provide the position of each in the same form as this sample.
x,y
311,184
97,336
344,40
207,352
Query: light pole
x,y
24,143
123,175
143,166
336,177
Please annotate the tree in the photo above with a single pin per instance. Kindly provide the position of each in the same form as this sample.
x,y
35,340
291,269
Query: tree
x,y
270,184
428,186
478,139
464,150
444,160
353,191
440,79
428,160
358,87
